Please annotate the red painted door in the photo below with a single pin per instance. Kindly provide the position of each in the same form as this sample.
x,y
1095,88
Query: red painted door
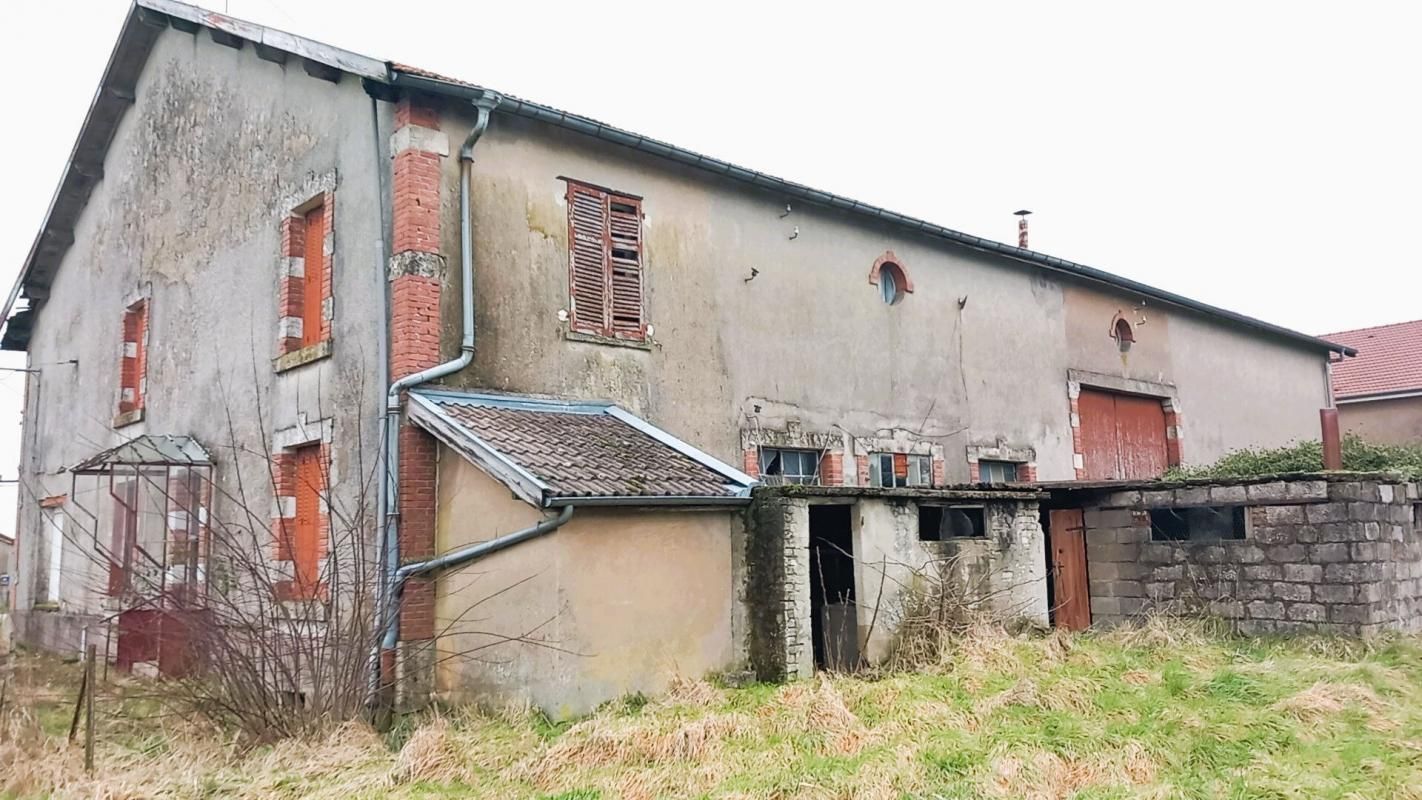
x,y
1122,435
1140,429
1070,589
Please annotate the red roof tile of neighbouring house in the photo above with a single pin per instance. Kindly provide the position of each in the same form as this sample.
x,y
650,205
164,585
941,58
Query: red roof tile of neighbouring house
x,y
1389,360
557,452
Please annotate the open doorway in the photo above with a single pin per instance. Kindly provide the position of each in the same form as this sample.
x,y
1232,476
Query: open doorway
x,y
834,622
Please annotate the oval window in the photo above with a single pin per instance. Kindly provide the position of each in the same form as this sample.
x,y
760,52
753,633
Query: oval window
x,y
888,287
892,283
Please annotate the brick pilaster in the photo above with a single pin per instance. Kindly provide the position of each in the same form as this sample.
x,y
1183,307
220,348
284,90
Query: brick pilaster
x,y
861,469
416,281
1078,451
1173,432
832,468
751,462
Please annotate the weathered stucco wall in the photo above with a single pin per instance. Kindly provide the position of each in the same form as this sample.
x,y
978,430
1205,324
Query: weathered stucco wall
x,y
218,147
1384,421
1340,556
978,353
1003,573
612,603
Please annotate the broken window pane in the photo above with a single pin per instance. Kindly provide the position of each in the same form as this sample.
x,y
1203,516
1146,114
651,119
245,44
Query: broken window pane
x,y
783,465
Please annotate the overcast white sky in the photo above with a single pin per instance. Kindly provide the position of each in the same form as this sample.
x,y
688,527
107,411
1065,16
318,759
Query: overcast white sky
x,y
1261,156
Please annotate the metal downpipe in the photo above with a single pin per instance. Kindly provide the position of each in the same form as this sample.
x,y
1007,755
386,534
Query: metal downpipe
x,y
388,620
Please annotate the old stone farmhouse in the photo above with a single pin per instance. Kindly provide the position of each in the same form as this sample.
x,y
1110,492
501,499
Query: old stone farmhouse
x,y
535,381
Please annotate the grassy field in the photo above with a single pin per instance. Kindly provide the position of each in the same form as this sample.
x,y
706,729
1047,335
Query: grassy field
x,y
1165,710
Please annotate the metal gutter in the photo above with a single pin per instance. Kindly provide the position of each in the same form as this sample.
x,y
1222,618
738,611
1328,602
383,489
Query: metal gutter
x,y
1400,394
643,501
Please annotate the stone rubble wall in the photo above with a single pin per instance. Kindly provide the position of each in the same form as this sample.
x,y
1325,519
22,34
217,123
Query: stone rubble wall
x,y
1326,556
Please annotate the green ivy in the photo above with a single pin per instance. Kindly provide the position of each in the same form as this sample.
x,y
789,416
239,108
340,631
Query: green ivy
x,y
1358,456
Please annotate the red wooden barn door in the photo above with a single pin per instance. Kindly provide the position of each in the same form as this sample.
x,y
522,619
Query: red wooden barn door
x,y
1070,589
1122,435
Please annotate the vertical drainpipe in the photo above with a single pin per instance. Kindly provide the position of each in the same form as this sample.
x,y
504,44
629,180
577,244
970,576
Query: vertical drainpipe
x,y
382,274
388,623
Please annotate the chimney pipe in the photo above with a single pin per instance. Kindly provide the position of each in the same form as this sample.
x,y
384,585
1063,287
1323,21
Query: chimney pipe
x,y
1022,227
1332,442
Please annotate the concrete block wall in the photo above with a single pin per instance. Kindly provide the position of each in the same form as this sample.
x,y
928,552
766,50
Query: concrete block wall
x,y
1334,555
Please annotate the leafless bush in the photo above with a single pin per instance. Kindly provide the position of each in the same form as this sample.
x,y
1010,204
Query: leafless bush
x,y
196,578
938,605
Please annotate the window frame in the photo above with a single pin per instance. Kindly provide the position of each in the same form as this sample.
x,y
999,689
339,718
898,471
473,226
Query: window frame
x,y
922,462
1241,527
766,458
975,513
987,465
604,322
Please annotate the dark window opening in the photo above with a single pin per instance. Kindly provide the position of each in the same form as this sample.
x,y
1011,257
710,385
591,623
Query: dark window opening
x,y
997,471
937,523
779,465
892,470
1123,333
834,624
1417,518
1203,524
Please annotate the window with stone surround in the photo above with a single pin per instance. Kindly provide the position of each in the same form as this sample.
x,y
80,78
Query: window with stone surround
x,y
783,465
892,470
1199,524
305,291
133,364
997,471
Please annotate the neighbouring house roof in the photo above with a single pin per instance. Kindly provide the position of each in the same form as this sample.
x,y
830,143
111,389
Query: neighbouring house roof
x,y
147,450
557,452
1389,361
381,79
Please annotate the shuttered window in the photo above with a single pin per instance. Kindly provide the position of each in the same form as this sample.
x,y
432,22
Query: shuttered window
x,y
605,262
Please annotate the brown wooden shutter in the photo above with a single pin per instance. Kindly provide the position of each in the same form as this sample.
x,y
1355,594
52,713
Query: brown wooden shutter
x,y
625,266
588,259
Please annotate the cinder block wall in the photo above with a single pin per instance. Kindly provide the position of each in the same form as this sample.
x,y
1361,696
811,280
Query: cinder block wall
x,y
1338,555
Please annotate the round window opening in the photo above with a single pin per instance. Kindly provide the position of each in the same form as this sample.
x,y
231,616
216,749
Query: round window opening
x,y
891,283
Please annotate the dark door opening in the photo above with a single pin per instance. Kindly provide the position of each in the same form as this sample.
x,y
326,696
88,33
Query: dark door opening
x,y
834,624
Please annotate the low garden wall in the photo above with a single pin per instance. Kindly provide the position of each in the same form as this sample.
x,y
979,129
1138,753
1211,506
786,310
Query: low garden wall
x,y
1333,553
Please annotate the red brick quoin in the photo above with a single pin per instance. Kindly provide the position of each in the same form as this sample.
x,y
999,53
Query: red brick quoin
x,y
416,283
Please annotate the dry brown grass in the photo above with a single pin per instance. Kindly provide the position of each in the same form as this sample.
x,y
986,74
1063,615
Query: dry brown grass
x,y
1043,775
1323,701
971,726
